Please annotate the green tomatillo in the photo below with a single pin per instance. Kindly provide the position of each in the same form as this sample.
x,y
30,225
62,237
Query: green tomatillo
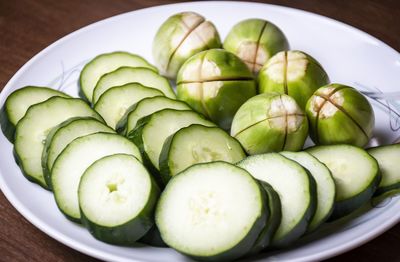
x,y
270,122
293,73
255,41
179,37
339,114
215,83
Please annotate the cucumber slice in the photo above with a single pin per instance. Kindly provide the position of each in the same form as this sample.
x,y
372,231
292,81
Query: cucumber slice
x,y
124,75
114,102
275,215
117,198
106,63
152,131
63,134
197,144
325,186
295,187
145,107
18,102
75,159
355,172
387,157
153,238
32,130
212,211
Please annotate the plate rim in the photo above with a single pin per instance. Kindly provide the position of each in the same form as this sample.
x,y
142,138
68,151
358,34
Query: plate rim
x,y
96,253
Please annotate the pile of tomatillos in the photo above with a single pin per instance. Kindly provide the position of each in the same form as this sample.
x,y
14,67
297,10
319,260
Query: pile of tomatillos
x,y
214,170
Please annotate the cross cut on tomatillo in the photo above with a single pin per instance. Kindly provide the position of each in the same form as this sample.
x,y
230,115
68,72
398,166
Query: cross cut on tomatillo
x,y
339,114
270,122
294,73
215,83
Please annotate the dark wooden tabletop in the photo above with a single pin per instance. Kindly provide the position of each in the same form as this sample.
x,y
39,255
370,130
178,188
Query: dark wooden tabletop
x,y
27,27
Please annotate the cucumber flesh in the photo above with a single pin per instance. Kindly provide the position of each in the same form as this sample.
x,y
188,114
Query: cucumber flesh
x,y
114,102
387,157
33,128
153,130
146,107
117,199
18,102
295,188
197,144
75,159
63,134
355,172
325,186
105,63
124,75
213,211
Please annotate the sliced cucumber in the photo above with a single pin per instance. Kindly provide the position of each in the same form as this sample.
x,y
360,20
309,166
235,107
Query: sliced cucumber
x,y
106,63
114,102
63,134
145,107
153,238
274,219
18,102
296,190
325,186
212,211
387,157
124,75
75,159
197,144
32,130
152,131
117,198
355,172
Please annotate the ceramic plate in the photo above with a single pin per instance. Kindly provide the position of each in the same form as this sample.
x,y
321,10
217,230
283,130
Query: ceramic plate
x,y
349,56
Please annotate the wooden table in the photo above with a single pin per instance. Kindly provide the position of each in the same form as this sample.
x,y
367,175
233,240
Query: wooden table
x,y
26,27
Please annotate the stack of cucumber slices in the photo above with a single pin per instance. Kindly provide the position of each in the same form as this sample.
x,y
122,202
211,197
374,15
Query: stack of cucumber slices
x,y
133,164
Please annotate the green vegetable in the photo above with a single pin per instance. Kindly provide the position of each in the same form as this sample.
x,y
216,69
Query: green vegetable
x,y
215,83
339,114
270,122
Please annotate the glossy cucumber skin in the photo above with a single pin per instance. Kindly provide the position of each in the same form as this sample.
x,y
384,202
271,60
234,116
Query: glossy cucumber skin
x,y
153,238
274,204
6,126
129,233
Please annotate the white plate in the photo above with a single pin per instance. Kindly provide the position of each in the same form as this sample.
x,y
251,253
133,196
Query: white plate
x,y
349,56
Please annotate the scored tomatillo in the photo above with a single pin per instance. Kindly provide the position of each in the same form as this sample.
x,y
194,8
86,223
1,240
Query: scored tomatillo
x,y
215,83
294,73
255,41
179,37
270,122
339,114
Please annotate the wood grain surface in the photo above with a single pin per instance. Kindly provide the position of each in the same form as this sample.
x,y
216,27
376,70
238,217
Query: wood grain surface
x,y
28,26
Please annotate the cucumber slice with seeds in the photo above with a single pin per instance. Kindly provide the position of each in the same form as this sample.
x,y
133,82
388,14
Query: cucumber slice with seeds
x,y
296,189
355,172
145,107
152,131
33,128
117,198
387,157
63,134
325,186
106,63
213,211
18,102
197,144
124,75
75,159
114,102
